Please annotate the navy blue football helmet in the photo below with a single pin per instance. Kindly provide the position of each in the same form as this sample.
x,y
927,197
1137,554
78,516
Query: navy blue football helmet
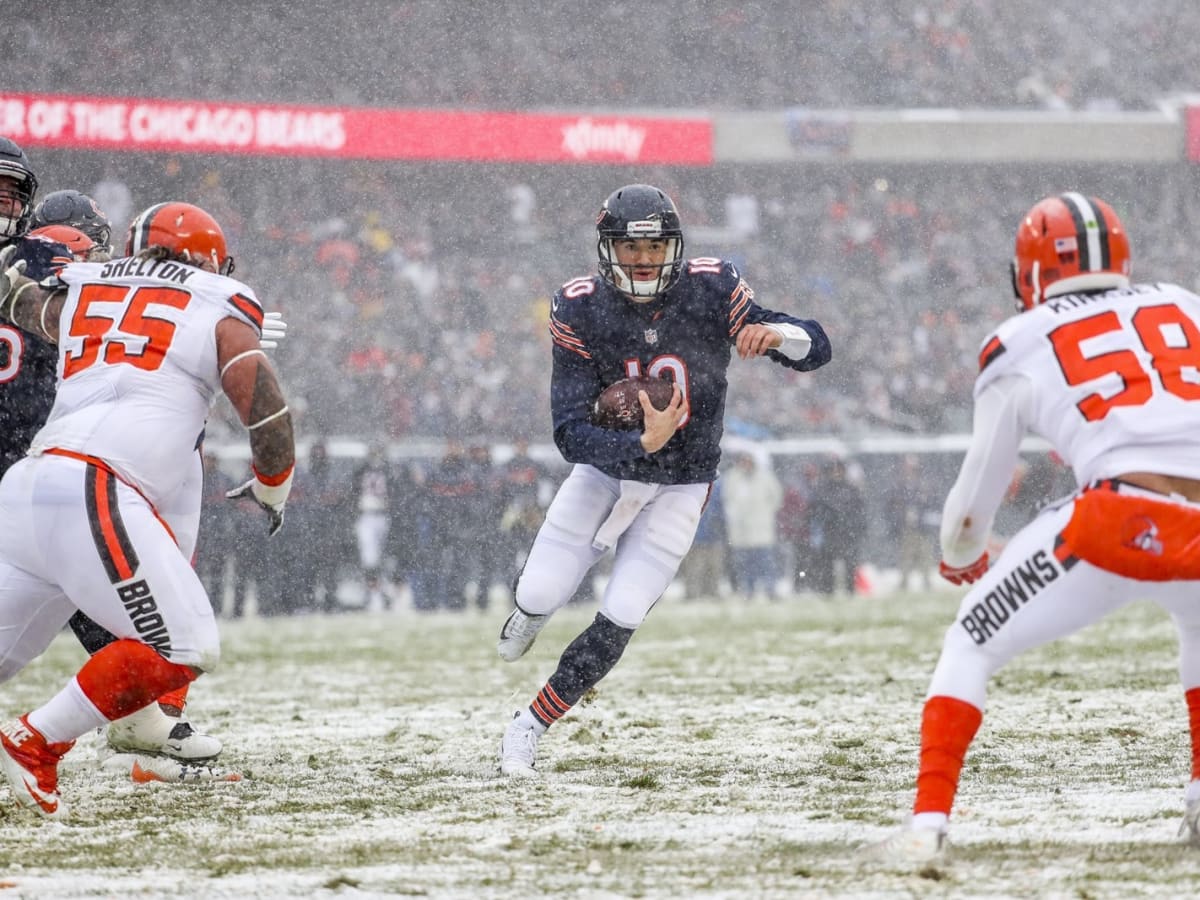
x,y
632,212
77,210
14,164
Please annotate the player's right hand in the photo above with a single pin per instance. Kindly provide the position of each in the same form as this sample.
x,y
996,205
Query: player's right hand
x,y
659,425
964,574
271,497
9,271
274,330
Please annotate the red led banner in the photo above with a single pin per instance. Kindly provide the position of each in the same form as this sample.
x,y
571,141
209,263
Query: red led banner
x,y
178,126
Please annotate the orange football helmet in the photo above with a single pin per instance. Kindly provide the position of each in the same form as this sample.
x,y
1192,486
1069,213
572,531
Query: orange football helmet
x,y
191,234
1066,244
80,245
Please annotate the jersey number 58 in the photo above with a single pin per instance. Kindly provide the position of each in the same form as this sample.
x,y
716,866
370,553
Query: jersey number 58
x,y
1168,357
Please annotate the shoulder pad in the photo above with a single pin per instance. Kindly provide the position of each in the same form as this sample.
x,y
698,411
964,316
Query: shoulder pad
x,y
709,266
583,286
1005,350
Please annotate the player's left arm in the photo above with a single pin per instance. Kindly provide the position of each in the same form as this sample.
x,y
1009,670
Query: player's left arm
x,y
254,391
799,344
796,343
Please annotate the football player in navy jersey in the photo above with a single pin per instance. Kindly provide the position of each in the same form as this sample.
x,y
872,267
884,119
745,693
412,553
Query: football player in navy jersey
x,y
26,364
649,311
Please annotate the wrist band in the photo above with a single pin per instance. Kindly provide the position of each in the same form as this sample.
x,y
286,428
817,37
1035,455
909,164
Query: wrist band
x,y
273,480
261,422
240,357
42,317
12,303
273,489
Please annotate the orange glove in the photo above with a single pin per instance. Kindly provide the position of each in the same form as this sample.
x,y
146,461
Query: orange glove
x,y
967,574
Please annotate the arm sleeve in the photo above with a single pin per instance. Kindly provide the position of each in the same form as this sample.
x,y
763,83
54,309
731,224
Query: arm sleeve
x,y
1001,413
794,332
796,342
805,344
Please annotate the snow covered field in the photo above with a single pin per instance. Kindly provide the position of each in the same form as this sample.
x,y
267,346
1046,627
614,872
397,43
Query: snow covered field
x,y
736,752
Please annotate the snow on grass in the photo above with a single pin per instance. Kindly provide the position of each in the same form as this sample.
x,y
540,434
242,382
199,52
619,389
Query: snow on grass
x,y
736,752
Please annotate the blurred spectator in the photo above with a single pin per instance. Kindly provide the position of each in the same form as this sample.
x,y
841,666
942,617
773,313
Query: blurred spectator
x,y
485,516
704,569
913,506
251,566
320,520
523,488
374,497
794,535
215,544
406,543
838,527
453,491
751,496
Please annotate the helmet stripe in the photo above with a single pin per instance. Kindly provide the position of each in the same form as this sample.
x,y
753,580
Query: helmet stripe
x,y
139,231
1105,245
1091,232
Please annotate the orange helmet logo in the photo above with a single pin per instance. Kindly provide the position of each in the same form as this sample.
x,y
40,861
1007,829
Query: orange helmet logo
x,y
187,231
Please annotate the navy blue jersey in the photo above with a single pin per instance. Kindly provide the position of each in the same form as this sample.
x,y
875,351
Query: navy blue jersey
x,y
28,363
600,336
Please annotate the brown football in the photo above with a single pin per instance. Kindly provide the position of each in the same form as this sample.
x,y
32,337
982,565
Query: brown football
x,y
618,408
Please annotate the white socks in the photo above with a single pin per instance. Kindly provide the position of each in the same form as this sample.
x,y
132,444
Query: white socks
x,y
67,715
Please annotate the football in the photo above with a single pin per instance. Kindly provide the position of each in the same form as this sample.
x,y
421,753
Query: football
x,y
618,408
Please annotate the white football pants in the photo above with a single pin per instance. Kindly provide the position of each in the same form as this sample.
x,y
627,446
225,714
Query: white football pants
x,y
1029,598
646,556
72,536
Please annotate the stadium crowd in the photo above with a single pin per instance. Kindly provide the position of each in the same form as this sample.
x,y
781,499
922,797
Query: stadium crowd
x,y
417,293
769,54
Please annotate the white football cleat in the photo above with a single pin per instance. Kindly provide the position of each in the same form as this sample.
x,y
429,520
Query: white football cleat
x,y
518,749
150,730
1189,828
908,845
144,768
518,634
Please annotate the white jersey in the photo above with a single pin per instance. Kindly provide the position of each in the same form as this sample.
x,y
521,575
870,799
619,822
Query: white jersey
x,y
1115,378
137,366
1111,380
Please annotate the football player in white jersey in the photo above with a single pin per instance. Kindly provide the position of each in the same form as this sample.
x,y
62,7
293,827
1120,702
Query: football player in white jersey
x,y
144,342
160,728
1107,372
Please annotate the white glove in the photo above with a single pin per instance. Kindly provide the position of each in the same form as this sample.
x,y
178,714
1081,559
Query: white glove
x,y
270,497
8,274
274,330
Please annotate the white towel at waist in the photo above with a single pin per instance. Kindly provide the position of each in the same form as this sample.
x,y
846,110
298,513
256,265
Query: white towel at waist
x,y
634,495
